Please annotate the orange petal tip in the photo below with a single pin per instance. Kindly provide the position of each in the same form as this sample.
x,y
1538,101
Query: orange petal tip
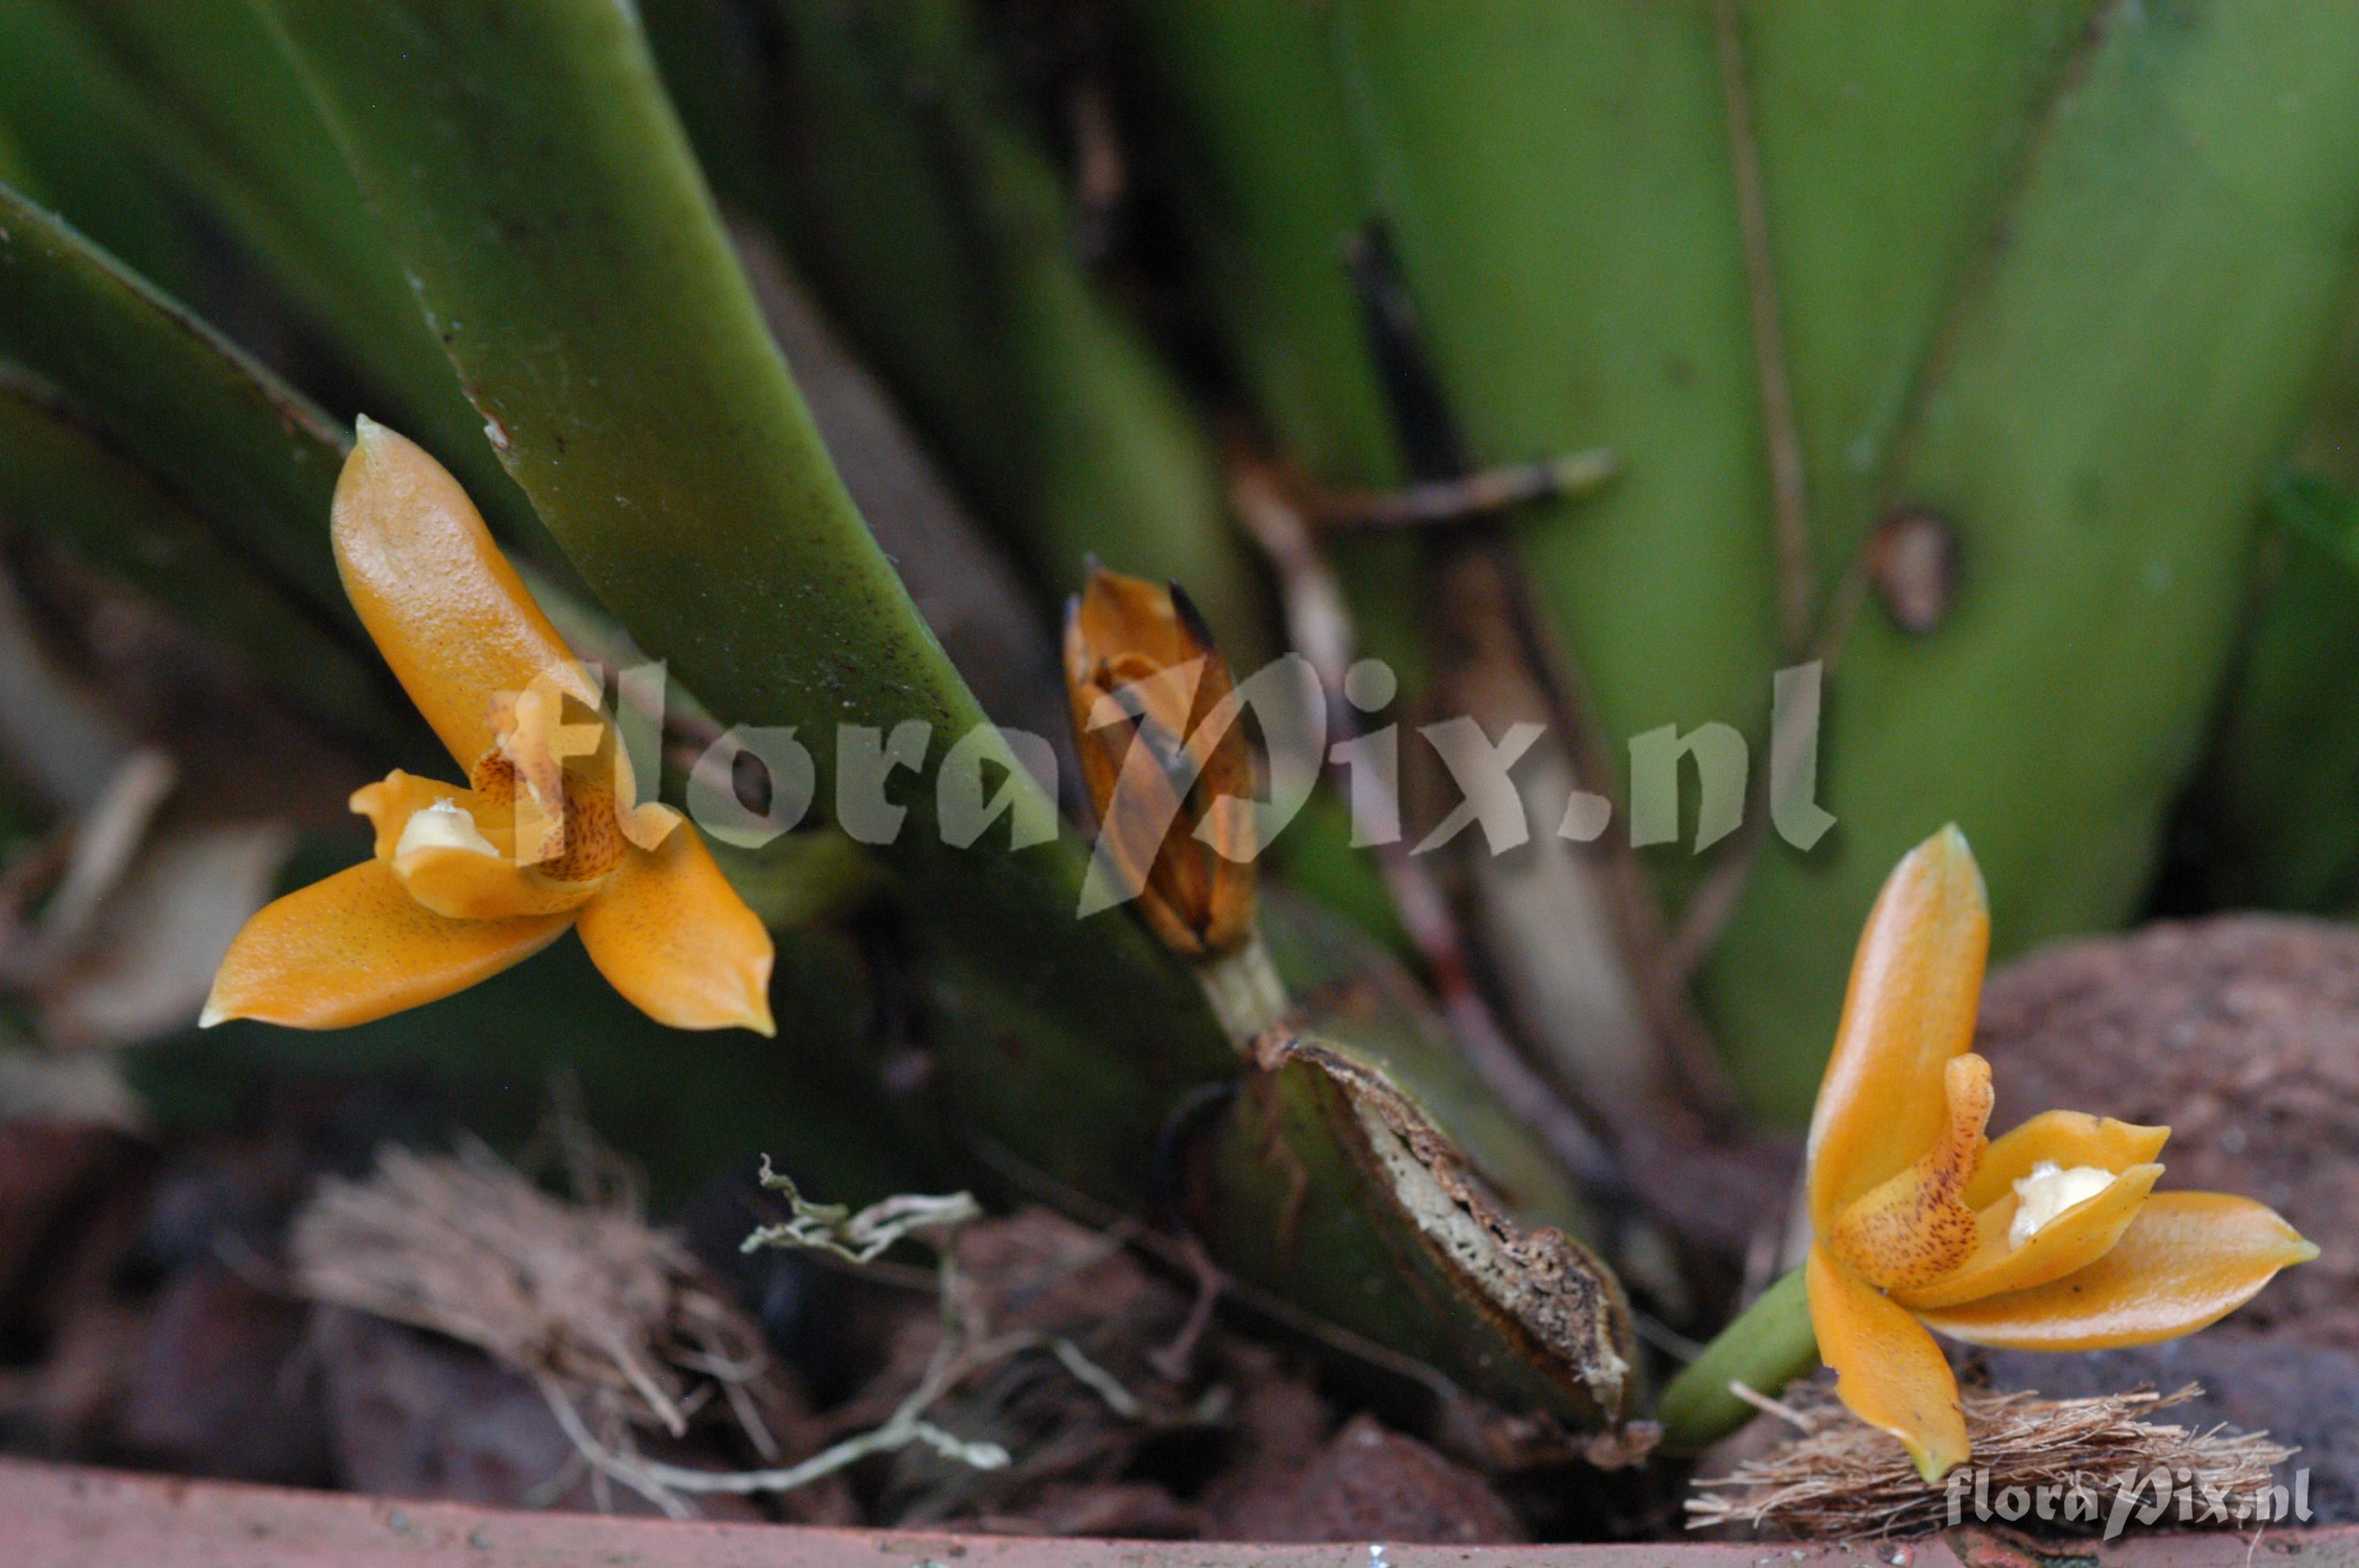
x,y
672,935
442,604
1888,1371
2186,1261
356,948
1910,1008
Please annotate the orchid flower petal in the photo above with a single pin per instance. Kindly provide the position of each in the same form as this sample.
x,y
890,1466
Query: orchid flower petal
x,y
2186,1260
439,600
2063,1137
1915,987
357,947
1915,1227
2067,1244
1132,624
1888,1370
672,935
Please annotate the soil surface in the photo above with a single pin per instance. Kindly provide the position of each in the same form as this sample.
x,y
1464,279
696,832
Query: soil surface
x,y
146,1320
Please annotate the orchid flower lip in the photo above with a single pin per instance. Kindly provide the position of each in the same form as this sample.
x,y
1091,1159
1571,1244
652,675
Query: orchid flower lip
x,y
2049,1193
442,825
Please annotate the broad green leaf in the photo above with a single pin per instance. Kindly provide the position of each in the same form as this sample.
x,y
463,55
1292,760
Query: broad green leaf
x,y
1555,178
66,478
2285,764
203,95
1273,192
1246,95
1890,139
2064,285
2107,401
937,229
201,416
57,103
13,170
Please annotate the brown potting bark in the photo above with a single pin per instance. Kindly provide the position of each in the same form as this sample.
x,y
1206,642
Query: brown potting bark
x,y
221,1387
412,1415
1367,1482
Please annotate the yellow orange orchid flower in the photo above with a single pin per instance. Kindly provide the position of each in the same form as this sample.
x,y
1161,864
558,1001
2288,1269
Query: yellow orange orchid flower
x,y
1139,664
2050,1238
547,833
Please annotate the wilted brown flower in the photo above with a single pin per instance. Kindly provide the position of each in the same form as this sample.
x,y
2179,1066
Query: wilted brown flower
x,y
1161,744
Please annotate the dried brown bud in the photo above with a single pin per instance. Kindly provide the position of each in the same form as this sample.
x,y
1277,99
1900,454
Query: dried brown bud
x,y
1161,744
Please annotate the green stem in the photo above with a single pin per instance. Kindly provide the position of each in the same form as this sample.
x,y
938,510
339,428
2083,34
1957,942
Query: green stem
x,y
1769,1346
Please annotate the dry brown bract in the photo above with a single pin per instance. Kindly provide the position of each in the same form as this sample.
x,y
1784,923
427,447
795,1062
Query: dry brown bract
x,y
1842,1479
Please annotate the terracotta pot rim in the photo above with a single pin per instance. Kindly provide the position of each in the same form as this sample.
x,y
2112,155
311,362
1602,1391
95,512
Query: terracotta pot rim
x,y
67,1517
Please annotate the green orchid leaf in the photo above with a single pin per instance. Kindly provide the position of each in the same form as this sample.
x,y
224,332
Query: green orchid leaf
x,y
201,91
58,105
939,233
12,167
2277,793
67,478
224,432
2096,418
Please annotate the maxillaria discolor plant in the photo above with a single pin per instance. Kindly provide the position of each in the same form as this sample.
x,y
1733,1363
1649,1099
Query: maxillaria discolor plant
x,y
547,833
2049,1238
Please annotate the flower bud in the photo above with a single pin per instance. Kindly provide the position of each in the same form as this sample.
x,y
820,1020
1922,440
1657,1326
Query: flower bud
x,y
1156,720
